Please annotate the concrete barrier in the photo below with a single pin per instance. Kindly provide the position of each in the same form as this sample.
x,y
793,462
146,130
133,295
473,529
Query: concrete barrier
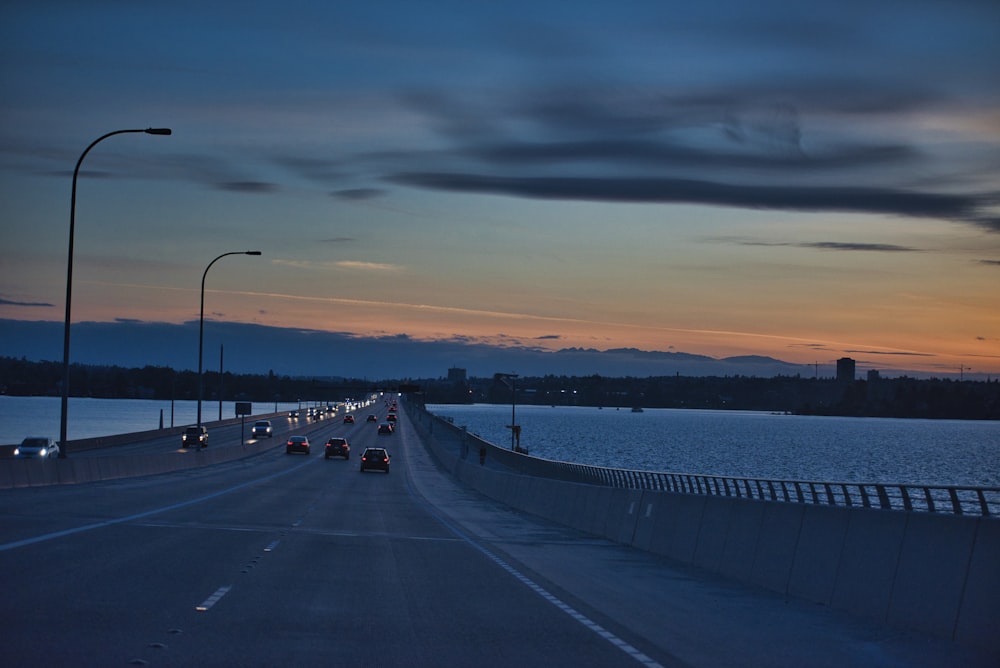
x,y
743,535
73,470
818,533
978,619
931,573
930,578
774,559
623,515
868,563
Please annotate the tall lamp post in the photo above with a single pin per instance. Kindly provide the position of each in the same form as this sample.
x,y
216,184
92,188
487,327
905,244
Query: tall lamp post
x,y
515,431
69,278
201,320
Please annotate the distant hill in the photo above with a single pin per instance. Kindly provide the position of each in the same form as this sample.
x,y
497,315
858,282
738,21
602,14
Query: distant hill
x,y
250,348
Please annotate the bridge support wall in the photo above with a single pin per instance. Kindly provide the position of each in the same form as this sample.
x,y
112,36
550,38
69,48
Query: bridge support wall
x,y
930,573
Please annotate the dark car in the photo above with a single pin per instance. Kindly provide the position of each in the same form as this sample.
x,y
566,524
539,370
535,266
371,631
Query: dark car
x,y
391,417
375,458
337,447
348,419
371,418
195,437
297,444
385,428
37,447
262,428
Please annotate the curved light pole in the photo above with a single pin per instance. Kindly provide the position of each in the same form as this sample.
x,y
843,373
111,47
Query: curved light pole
x,y
201,319
69,278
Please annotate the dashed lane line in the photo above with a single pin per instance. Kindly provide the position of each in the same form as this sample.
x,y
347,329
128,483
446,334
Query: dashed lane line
x,y
149,513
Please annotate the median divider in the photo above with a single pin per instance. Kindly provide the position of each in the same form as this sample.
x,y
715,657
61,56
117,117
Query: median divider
x,y
74,470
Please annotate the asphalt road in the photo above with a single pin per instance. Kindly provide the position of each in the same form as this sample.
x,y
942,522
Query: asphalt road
x,y
293,560
223,436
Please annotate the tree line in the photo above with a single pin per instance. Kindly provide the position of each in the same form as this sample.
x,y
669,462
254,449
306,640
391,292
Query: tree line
x,y
883,397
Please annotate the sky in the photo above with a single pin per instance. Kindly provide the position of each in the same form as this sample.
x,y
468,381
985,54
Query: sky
x,y
804,181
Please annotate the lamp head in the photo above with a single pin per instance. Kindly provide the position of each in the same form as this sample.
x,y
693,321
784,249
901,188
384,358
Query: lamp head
x,y
252,252
158,131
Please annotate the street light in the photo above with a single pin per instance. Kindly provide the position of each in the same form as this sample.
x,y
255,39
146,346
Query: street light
x,y
515,431
69,278
201,320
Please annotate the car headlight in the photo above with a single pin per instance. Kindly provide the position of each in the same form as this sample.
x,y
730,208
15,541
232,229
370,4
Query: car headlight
x,y
42,452
17,451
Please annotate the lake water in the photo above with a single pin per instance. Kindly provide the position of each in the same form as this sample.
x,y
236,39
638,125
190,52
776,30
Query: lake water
x,y
734,443
749,444
87,418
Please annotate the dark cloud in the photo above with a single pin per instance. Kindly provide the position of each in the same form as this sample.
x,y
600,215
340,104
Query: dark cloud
x,y
749,145
248,186
992,262
688,191
357,194
320,170
11,302
838,245
883,352
666,154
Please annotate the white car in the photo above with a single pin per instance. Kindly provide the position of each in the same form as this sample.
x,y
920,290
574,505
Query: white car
x,y
37,447
262,428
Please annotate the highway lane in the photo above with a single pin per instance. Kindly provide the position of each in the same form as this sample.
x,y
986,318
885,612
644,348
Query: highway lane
x,y
281,560
272,560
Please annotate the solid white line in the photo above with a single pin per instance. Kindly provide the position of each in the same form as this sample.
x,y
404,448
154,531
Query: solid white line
x,y
569,610
538,589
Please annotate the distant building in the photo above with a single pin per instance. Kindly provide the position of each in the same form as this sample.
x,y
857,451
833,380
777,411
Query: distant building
x,y
456,375
873,376
845,370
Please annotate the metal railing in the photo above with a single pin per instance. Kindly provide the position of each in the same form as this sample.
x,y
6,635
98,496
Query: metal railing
x,y
943,499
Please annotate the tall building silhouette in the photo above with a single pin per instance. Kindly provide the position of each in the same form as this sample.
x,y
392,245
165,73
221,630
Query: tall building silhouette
x,y
845,370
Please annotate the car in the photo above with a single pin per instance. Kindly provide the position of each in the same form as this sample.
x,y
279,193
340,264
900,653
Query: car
x,y
37,447
262,428
195,437
375,458
391,417
337,447
371,418
385,428
297,444
293,415
348,419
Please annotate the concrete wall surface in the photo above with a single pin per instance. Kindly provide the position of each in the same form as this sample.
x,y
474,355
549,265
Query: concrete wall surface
x,y
932,573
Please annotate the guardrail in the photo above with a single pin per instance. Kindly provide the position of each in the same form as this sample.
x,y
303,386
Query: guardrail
x,y
955,500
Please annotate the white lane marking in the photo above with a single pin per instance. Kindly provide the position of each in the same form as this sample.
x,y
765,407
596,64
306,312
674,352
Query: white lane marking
x,y
538,589
213,599
272,546
568,609
149,513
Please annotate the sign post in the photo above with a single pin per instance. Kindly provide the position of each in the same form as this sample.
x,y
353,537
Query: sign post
x,y
243,409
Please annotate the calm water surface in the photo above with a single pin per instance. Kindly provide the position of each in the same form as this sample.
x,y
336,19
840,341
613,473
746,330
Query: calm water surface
x,y
749,444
